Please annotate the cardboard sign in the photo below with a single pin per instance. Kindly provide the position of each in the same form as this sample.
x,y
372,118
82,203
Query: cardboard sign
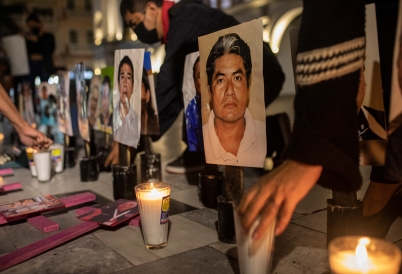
x,y
27,104
113,213
105,101
232,96
149,110
93,101
127,96
16,49
29,206
192,102
63,103
83,125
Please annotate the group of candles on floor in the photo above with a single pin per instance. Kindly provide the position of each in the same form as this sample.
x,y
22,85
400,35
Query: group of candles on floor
x,y
348,254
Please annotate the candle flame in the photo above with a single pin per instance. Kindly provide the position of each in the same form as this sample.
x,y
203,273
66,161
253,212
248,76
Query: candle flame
x,y
361,251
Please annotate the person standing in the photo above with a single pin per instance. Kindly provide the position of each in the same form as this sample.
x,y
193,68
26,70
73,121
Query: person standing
x,y
40,47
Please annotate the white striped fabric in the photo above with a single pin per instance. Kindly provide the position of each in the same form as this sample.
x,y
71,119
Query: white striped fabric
x,y
331,62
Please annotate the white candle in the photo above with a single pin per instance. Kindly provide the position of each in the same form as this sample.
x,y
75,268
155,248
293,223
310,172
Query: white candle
x,y
370,256
43,164
154,202
255,256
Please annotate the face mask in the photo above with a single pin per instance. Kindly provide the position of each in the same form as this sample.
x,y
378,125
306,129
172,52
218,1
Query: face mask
x,y
35,31
146,36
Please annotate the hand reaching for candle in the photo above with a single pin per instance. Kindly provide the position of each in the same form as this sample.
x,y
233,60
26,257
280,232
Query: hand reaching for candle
x,y
29,136
276,195
33,138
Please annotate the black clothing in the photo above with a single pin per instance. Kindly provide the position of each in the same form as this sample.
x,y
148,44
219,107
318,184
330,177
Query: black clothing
x,y
330,57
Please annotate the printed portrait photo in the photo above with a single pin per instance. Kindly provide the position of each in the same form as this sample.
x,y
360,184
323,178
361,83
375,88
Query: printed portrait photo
x,y
113,213
93,101
149,110
28,106
81,102
63,103
233,112
128,73
48,108
192,102
105,105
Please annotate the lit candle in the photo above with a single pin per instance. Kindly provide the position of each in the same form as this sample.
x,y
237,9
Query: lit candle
x,y
154,202
30,152
363,255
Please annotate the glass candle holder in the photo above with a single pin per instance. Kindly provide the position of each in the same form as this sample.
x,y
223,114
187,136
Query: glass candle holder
x,y
255,256
153,202
30,152
358,254
43,164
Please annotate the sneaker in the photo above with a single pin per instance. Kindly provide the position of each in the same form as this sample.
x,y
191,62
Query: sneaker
x,y
187,163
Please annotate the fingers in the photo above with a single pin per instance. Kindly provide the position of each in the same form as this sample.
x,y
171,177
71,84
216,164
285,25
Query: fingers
x,y
268,215
284,216
255,202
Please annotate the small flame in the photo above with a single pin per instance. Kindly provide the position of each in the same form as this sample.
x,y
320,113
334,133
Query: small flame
x,y
361,251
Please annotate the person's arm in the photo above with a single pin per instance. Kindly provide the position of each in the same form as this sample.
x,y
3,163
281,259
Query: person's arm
x,y
29,136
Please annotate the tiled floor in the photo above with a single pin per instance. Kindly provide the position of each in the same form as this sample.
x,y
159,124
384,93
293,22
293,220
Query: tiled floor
x,y
193,242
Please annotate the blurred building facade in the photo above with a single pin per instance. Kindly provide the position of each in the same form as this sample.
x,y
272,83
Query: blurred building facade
x,y
70,21
89,31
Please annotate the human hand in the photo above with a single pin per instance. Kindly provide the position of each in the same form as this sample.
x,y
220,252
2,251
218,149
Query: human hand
x,y
33,138
113,157
276,195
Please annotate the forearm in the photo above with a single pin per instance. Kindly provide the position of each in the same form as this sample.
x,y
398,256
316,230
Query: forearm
x,y
8,109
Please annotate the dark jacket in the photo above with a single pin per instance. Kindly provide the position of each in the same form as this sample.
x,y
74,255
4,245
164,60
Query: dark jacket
x,y
190,19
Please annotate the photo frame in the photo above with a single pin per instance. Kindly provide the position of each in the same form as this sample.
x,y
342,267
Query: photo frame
x,y
244,107
127,96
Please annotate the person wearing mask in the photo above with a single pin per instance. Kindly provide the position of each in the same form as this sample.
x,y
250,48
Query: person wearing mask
x,y
178,26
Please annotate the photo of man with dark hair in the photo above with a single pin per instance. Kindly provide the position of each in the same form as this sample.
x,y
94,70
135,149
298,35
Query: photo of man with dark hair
x,y
126,120
232,136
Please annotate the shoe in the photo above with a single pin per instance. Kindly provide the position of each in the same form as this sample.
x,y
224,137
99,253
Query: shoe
x,y
187,163
378,224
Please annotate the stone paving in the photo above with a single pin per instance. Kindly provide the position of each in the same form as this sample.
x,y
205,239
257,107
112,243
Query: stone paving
x,y
193,244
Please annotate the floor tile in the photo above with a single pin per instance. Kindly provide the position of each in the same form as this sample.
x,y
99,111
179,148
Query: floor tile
x,y
228,249
185,235
303,260
6,245
204,216
315,200
84,255
188,196
316,221
200,260
296,236
128,242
